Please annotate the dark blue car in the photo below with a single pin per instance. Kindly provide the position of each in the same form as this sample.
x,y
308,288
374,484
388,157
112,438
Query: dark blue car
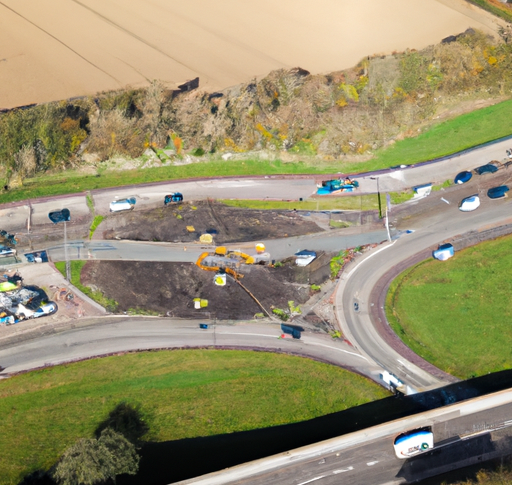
x,y
497,192
489,168
463,177
60,216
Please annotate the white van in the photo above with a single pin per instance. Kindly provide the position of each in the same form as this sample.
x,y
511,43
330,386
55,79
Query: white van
x,y
122,204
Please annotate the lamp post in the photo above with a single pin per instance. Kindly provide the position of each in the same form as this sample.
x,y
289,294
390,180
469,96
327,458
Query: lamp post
x,y
378,196
64,216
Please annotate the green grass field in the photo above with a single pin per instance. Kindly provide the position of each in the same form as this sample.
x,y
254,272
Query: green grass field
x,y
457,314
442,139
181,394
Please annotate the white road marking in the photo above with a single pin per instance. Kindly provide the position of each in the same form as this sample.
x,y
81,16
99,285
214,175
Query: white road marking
x,y
335,472
371,463
371,255
444,200
249,334
312,480
341,350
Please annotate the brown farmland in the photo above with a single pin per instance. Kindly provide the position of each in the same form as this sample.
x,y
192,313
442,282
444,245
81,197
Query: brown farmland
x,y
68,48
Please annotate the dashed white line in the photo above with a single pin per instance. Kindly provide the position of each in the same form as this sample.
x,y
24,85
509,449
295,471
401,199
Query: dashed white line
x,y
371,463
312,480
335,472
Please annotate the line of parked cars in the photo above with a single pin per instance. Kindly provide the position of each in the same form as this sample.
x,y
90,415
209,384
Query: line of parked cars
x,y
129,203
472,202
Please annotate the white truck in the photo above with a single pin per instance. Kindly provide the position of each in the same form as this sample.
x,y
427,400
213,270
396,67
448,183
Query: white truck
x,y
412,443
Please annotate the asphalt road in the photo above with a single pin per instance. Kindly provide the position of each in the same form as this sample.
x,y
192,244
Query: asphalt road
x,y
102,336
464,434
369,460
357,283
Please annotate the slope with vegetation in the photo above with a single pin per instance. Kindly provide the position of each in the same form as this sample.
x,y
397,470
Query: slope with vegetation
x,y
335,119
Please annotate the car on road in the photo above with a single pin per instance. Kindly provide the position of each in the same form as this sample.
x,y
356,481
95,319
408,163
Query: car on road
x,y
175,197
497,192
47,309
414,442
62,215
122,204
463,177
6,252
488,168
470,203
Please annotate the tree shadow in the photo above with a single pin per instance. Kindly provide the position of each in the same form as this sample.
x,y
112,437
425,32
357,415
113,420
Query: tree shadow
x,y
127,420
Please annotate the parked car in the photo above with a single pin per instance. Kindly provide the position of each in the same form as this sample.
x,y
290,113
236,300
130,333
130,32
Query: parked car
x,y
175,197
470,203
122,204
6,251
463,177
47,309
488,168
497,192
62,215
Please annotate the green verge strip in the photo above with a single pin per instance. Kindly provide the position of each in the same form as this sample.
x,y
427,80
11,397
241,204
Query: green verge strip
x,y
180,394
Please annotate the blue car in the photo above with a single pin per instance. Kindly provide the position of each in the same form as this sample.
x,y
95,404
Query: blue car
x,y
175,197
463,177
489,168
497,192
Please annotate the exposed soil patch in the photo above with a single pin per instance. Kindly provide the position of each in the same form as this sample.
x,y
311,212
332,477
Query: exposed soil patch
x,y
169,288
226,224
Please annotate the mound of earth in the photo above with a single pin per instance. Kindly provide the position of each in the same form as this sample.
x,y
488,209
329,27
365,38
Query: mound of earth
x,y
170,288
186,223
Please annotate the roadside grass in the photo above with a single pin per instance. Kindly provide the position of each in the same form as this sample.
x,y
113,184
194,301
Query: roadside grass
x,y
448,137
95,223
445,138
181,394
456,314
76,269
349,202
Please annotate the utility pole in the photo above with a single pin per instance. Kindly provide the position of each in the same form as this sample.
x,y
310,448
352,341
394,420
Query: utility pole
x,y
378,196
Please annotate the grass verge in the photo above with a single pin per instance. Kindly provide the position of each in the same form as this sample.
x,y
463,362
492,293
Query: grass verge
x,y
351,202
445,138
456,314
95,223
181,394
97,296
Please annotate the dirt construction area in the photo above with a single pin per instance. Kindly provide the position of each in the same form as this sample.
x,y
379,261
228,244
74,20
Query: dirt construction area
x,y
187,222
170,288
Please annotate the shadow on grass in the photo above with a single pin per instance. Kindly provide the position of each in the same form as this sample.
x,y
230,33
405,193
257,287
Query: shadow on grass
x,y
172,461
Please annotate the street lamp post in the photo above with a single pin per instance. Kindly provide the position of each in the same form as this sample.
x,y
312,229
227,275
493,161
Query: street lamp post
x,y
378,196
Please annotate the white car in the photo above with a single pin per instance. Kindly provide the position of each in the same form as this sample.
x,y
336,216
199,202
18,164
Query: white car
x,y
47,309
470,203
6,251
122,204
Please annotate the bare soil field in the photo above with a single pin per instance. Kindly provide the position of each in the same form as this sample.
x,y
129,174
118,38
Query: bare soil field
x,y
73,48
170,288
226,224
